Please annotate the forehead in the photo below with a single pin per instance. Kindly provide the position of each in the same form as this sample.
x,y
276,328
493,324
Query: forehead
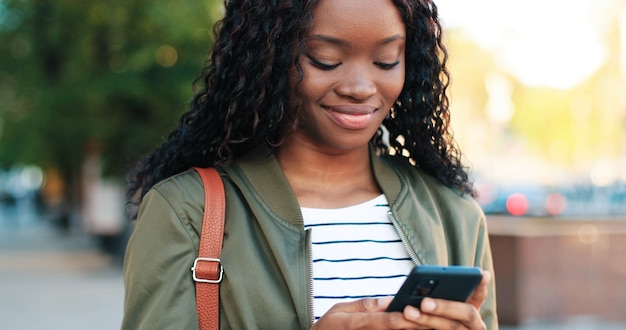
x,y
361,17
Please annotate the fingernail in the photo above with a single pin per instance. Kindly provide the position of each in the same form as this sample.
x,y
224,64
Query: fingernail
x,y
412,312
428,305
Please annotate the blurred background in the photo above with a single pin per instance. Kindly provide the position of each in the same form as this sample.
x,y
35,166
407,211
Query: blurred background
x,y
538,101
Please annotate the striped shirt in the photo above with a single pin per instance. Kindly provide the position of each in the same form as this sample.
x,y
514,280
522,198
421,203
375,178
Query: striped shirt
x,y
356,253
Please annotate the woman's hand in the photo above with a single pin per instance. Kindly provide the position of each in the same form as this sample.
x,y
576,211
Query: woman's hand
x,y
434,313
446,314
366,313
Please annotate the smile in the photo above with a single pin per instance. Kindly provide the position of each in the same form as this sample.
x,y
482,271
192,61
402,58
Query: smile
x,y
351,117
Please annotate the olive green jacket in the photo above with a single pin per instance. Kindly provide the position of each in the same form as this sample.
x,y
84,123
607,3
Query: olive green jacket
x,y
265,254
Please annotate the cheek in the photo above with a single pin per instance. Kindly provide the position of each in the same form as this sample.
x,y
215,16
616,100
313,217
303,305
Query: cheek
x,y
394,85
314,86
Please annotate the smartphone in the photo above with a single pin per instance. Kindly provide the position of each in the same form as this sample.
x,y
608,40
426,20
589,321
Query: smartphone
x,y
445,282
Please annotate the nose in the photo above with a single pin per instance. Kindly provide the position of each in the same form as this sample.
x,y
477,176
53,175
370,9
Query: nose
x,y
358,83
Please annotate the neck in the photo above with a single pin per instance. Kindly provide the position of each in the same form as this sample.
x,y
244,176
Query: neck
x,y
328,178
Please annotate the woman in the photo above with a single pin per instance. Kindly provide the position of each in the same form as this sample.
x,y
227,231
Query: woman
x,y
328,122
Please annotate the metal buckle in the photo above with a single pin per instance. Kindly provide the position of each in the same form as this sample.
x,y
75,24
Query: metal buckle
x,y
193,270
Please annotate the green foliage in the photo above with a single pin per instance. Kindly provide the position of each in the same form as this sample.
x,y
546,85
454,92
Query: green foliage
x,y
115,74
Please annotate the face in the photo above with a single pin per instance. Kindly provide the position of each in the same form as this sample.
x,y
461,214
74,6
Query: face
x,y
353,70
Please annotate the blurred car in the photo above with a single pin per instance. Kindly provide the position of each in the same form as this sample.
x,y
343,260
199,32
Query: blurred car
x,y
520,200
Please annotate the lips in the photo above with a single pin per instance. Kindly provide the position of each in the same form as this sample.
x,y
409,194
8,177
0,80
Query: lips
x,y
351,116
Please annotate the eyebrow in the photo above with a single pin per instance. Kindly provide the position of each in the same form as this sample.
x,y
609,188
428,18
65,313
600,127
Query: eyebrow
x,y
345,43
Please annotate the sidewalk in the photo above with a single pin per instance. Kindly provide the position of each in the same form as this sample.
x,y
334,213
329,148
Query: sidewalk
x,y
51,281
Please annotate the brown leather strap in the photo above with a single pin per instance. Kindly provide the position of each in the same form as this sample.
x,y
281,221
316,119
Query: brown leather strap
x,y
207,269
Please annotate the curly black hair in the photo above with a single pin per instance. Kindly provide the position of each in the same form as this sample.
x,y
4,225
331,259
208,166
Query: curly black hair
x,y
245,93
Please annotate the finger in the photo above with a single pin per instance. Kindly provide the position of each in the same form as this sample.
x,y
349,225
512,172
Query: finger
x,y
363,305
447,314
381,320
429,321
479,295
364,314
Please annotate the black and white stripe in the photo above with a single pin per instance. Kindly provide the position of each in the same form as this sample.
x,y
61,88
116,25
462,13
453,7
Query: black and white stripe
x,y
357,253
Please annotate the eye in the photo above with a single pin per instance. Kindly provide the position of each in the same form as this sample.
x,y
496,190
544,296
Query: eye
x,y
387,66
321,65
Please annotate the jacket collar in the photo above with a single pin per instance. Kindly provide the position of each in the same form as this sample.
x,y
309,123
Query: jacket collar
x,y
420,223
262,172
386,177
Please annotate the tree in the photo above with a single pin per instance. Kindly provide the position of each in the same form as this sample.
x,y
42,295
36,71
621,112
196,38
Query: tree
x,y
108,76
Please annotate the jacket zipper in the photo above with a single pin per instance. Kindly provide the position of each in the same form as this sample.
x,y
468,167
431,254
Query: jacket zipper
x,y
403,238
310,275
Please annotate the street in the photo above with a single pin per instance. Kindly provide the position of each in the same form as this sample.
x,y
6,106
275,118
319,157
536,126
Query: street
x,y
52,280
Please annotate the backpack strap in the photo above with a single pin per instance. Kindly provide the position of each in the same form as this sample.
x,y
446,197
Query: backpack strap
x,y
207,269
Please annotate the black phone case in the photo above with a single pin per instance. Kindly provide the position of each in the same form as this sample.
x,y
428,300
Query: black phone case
x,y
445,282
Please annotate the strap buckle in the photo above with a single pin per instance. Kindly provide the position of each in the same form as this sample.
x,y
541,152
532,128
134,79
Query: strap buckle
x,y
204,280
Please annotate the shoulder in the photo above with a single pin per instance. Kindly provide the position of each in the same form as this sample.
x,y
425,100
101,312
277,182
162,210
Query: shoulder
x,y
183,190
181,195
431,191
179,186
